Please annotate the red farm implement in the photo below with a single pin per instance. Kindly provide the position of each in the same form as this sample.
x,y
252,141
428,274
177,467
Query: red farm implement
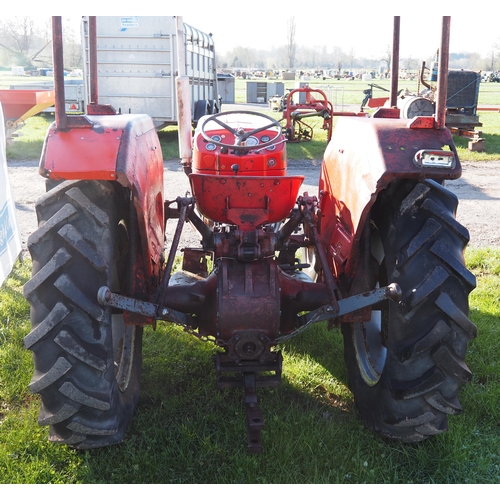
x,y
19,105
302,104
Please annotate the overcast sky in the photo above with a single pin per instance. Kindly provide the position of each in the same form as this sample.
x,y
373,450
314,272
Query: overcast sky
x,y
362,25
367,32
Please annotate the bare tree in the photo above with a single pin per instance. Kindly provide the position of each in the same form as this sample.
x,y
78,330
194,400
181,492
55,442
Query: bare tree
x,y
352,57
20,32
495,49
387,58
291,47
25,41
409,63
20,36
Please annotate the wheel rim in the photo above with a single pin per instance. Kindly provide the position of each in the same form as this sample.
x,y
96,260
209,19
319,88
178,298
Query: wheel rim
x,y
369,336
370,351
123,350
123,335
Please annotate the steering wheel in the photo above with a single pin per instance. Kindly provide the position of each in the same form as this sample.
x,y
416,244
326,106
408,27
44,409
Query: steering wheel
x,y
240,135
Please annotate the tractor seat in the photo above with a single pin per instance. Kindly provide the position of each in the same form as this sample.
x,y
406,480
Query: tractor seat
x,y
247,201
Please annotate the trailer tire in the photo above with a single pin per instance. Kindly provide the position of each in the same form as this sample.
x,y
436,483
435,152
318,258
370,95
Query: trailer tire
x,y
201,108
406,365
87,361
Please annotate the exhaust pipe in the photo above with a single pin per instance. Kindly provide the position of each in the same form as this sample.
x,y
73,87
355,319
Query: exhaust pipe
x,y
395,62
61,117
444,55
183,102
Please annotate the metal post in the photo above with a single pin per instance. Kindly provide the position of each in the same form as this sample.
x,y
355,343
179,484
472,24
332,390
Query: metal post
x,y
183,101
395,62
58,60
93,60
442,88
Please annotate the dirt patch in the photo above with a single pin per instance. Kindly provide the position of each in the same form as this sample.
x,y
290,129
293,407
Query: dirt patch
x,y
478,191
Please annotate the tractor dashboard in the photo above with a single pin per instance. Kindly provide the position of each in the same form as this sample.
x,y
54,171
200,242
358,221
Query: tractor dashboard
x,y
239,143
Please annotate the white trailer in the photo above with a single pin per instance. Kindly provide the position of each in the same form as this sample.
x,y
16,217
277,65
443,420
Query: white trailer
x,y
137,65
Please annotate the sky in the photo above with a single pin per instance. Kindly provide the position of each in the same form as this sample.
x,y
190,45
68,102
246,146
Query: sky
x,y
368,34
360,25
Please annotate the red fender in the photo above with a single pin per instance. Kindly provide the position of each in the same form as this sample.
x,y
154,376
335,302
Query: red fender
x,y
363,157
123,148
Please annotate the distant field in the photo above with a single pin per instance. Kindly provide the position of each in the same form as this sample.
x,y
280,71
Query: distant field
x,y
340,92
346,91
6,79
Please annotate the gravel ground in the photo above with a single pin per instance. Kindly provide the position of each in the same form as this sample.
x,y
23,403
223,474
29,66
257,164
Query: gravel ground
x,y
27,185
478,191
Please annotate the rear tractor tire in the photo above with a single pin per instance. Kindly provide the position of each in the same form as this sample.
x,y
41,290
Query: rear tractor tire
x,y
407,364
87,361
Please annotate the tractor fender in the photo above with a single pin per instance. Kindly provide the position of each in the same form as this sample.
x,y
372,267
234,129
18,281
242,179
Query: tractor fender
x,y
122,148
364,156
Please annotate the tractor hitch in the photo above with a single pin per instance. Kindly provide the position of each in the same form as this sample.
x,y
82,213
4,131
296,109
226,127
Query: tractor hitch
x,y
248,353
345,306
245,374
146,309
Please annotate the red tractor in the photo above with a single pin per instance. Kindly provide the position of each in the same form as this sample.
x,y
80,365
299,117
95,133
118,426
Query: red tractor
x,y
382,257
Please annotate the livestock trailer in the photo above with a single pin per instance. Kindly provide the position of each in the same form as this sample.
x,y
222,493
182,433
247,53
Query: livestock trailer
x,y
137,64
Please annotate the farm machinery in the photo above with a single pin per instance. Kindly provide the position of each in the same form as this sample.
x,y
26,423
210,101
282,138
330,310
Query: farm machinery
x,y
301,104
19,105
377,250
461,103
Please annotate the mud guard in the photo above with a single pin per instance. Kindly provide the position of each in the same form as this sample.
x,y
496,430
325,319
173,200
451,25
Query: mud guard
x,y
364,156
122,148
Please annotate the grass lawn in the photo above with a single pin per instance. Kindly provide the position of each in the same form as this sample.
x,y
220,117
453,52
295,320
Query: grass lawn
x,y
186,431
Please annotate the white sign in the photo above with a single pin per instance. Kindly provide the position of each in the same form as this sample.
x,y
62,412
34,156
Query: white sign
x,y
10,242
129,22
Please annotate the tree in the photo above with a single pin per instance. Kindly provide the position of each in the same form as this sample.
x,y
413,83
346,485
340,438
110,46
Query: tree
x,y
387,58
291,46
26,41
409,63
495,49
352,56
20,31
16,35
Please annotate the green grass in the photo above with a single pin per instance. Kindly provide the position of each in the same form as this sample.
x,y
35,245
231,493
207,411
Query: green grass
x,y
491,134
186,431
28,145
